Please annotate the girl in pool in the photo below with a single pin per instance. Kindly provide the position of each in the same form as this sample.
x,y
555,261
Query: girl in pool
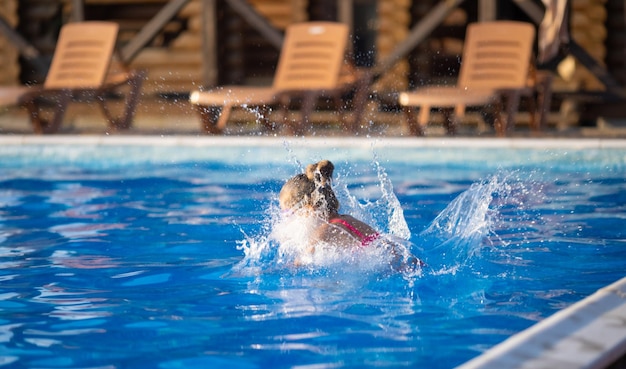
x,y
310,195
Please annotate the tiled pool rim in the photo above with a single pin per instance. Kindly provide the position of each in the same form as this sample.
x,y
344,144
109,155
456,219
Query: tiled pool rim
x,y
589,334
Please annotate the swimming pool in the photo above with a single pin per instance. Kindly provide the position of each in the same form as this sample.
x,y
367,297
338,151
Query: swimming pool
x,y
131,252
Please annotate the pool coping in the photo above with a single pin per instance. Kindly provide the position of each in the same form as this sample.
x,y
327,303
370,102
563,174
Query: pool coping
x,y
589,334
536,143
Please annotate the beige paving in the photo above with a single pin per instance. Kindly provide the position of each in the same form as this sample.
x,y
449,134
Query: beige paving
x,y
175,116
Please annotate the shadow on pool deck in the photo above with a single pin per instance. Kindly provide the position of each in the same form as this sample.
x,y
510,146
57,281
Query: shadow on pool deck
x,y
175,116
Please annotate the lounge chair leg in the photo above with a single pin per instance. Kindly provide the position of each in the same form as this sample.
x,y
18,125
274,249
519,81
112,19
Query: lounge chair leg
x,y
35,107
512,105
415,129
337,103
533,113
131,99
489,115
308,105
207,119
449,121
223,118
499,124
359,101
135,82
264,119
39,124
544,99
283,107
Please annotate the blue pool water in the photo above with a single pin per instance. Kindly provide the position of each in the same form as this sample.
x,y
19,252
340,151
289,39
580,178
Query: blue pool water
x,y
163,256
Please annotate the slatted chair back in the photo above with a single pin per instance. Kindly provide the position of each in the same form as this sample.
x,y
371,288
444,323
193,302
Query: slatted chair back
x,y
496,55
82,56
311,57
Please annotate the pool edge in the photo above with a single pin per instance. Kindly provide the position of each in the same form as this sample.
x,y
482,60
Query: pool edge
x,y
589,334
539,143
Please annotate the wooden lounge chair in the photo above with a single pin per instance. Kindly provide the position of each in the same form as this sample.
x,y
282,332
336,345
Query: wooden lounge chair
x,y
309,66
81,68
10,95
496,64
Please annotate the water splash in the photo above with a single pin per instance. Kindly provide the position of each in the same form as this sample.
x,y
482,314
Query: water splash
x,y
458,231
384,214
285,248
470,223
451,244
284,241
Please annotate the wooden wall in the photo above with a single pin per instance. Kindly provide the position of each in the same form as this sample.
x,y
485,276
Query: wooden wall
x,y
394,20
245,56
8,52
437,59
598,26
588,28
616,39
39,23
174,61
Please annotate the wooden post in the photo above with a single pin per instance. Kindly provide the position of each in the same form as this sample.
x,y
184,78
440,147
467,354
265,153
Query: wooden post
x,y
209,43
345,15
150,30
258,22
78,13
487,10
345,12
534,11
419,32
25,49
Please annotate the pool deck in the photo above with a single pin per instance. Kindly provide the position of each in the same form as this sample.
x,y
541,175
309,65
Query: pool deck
x,y
589,334
158,116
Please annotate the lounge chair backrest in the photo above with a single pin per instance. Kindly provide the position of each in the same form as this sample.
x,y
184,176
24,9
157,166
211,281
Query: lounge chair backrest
x,y
496,55
82,55
311,56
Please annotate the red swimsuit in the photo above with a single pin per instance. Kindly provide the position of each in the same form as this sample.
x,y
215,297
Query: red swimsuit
x,y
365,240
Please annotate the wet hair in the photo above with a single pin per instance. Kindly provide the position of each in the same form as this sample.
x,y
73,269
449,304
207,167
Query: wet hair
x,y
312,188
321,172
296,192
